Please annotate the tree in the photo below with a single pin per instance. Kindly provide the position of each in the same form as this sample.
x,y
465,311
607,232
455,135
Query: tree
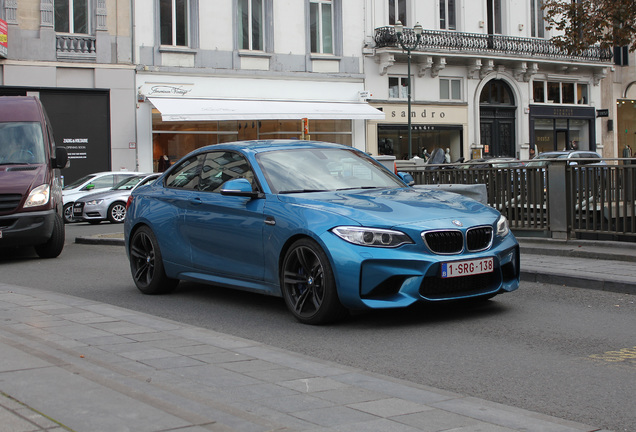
x,y
584,23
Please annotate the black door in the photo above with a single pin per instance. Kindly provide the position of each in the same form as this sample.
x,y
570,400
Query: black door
x,y
497,118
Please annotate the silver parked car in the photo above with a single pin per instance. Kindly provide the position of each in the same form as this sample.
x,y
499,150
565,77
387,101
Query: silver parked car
x,y
111,204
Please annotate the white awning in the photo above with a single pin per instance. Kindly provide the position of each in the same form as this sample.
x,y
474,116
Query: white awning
x,y
175,109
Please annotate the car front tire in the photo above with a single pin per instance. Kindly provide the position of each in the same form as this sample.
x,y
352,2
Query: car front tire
x,y
146,264
308,284
68,213
117,212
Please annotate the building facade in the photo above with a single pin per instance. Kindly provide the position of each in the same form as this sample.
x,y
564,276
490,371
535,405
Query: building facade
x,y
619,90
228,70
77,57
485,80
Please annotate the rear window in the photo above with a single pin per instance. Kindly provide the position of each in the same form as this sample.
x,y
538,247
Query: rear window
x,y
21,143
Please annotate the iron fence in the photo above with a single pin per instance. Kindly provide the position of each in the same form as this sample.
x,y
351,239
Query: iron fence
x,y
558,200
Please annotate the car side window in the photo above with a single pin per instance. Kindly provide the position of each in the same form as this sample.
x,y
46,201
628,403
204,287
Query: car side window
x,y
107,181
220,167
186,175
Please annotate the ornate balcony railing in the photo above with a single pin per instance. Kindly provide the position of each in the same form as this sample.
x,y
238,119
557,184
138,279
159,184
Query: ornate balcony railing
x,y
483,44
75,47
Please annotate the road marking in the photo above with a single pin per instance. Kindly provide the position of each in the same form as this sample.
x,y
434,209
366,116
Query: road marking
x,y
622,355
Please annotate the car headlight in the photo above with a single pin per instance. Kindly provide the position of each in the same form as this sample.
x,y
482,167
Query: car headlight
x,y
374,237
502,226
94,202
38,196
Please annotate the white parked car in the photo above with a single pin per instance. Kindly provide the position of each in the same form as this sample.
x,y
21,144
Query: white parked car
x,y
90,183
111,204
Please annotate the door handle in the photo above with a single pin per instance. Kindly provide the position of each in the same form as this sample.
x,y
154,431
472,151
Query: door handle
x,y
270,221
196,201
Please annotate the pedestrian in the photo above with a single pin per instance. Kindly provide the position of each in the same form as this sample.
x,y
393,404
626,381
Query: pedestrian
x,y
532,152
447,156
164,163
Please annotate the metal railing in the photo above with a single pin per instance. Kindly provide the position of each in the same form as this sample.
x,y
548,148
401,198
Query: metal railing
x,y
483,43
558,200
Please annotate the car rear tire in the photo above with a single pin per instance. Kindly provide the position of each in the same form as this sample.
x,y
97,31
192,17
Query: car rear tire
x,y
53,247
308,284
68,213
117,212
146,264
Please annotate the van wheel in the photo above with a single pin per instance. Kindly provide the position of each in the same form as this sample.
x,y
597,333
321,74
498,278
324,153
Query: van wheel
x,y
117,212
68,213
53,247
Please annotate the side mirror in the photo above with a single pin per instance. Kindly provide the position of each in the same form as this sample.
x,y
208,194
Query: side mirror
x,y
239,187
406,178
61,158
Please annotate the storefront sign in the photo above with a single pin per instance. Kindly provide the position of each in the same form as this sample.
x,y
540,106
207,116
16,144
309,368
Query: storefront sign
x,y
76,147
4,41
602,113
421,113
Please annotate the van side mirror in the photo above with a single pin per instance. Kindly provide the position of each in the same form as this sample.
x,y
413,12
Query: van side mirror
x,y
61,158
406,178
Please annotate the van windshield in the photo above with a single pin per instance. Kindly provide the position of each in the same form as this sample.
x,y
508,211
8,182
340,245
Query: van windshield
x,y
21,143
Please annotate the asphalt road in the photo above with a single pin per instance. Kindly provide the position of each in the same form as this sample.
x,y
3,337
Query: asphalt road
x,y
561,351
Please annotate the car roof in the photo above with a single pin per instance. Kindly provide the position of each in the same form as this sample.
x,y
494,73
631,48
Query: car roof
x,y
565,153
258,146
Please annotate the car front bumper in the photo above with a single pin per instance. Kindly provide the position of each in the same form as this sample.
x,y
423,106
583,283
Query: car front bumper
x,y
380,278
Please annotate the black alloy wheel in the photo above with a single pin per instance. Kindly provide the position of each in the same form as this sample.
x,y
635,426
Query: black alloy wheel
x,y
146,264
308,284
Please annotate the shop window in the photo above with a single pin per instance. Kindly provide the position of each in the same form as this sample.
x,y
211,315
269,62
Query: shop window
x,y
321,26
538,91
560,92
537,22
397,11
72,16
447,15
398,87
450,89
250,23
581,94
174,22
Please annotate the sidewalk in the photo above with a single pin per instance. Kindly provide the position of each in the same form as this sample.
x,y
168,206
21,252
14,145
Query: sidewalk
x,y
70,364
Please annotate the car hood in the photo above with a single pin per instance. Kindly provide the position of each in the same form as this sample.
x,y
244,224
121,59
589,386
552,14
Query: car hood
x,y
398,207
19,179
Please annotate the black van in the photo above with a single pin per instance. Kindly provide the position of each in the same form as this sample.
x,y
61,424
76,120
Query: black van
x,y
31,206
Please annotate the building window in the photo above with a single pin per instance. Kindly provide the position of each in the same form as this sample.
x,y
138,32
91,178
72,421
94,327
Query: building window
x,y
450,89
447,15
537,21
321,26
621,56
71,16
556,92
397,11
174,19
250,21
398,87
494,17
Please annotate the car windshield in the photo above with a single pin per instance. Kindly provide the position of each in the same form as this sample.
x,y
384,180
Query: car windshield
x,y
323,169
21,143
79,182
128,183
